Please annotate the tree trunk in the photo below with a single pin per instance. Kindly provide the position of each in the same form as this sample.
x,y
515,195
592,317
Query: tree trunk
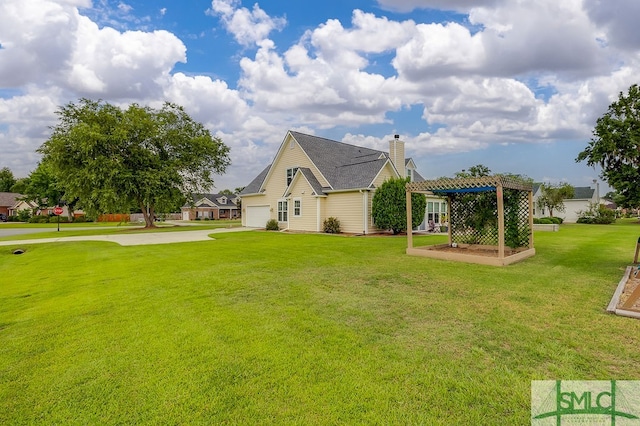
x,y
148,214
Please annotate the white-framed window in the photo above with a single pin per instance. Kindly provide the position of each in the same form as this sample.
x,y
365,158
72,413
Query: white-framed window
x,y
297,207
436,211
290,173
410,174
283,207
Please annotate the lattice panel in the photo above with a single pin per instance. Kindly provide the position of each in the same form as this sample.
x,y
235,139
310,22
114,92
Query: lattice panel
x,y
474,218
516,219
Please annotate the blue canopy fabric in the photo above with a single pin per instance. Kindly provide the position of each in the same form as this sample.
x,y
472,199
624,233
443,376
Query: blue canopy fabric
x,y
464,190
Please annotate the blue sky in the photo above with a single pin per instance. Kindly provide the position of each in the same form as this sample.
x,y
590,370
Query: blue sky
x,y
512,84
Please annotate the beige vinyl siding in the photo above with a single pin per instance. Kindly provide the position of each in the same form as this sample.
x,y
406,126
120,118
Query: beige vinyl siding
x,y
254,200
288,156
308,221
384,174
347,207
277,180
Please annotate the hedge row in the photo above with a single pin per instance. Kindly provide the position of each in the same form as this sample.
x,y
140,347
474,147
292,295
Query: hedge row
x,y
547,220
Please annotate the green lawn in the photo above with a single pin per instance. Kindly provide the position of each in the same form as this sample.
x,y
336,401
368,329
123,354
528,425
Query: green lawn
x,y
274,328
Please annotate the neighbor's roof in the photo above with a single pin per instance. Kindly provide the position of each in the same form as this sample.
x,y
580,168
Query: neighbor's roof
x,y
536,186
582,193
9,199
213,198
453,185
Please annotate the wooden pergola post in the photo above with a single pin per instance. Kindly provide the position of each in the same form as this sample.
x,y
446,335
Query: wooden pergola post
x,y
500,198
449,223
530,219
409,221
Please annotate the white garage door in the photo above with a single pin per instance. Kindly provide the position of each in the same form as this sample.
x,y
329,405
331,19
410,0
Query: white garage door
x,y
257,216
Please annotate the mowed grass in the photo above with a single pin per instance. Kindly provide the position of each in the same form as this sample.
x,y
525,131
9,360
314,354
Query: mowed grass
x,y
273,328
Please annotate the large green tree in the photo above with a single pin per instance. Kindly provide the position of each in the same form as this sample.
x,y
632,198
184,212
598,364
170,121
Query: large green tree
x,y
20,185
112,158
389,206
552,196
7,180
615,147
479,170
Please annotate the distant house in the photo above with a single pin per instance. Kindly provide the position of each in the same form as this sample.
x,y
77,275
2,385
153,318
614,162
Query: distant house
x,y
9,203
312,178
211,207
582,198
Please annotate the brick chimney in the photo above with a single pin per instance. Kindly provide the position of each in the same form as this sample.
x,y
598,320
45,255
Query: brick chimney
x,y
396,153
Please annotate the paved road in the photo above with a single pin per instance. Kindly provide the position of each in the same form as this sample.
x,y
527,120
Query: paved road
x,y
142,238
8,232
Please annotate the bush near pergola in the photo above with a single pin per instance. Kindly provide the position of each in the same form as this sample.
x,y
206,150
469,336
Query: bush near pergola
x,y
389,208
111,159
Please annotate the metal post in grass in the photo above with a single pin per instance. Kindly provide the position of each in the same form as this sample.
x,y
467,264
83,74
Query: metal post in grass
x,y
58,211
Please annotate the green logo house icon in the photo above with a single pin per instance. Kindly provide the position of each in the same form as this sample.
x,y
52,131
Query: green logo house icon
x,y
585,402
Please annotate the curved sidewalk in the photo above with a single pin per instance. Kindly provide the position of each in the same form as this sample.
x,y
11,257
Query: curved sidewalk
x,y
142,238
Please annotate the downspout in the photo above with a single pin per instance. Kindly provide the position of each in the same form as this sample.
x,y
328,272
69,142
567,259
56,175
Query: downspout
x,y
288,214
365,210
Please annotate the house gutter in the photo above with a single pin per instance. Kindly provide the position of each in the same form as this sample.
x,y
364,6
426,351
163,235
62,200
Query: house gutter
x,y
365,210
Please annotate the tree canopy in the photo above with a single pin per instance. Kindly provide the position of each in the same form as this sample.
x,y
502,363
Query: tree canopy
x,y
615,147
7,180
389,206
552,196
43,188
112,158
479,170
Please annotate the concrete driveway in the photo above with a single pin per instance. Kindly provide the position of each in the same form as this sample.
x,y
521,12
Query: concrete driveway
x,y
142,238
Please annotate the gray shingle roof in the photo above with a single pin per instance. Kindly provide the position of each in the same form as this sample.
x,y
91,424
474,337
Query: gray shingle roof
x,y
582,193
8,199
254,186
536,186
579,192
344,166
313,181
214,200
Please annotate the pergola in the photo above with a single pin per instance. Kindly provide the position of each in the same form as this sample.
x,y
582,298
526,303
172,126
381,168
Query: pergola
x,y
490,219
